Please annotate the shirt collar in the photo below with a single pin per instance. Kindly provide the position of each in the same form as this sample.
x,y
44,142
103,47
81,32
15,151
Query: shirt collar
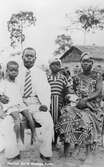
x,y
26,69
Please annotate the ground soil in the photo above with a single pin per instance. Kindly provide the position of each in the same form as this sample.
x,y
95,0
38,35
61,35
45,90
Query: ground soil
x,y
30,158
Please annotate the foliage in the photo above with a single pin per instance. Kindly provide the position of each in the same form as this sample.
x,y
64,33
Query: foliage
x,y
17,23
64,42
91,18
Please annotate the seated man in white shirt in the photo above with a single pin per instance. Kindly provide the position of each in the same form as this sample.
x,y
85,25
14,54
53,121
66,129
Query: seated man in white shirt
x,y
36,92
35,88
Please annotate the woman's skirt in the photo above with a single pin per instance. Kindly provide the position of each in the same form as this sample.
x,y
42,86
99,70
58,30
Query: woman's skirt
x,y
79,126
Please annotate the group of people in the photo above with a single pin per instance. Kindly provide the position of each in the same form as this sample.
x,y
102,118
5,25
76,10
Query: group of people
x,y
52,106
81,124
25,94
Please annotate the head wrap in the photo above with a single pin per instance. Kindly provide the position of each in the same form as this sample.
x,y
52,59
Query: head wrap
x,y
86,56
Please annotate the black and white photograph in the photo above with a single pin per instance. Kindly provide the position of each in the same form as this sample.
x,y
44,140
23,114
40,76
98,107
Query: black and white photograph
x,y
51,83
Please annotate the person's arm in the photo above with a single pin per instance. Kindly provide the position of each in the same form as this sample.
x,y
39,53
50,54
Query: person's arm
x,y
68,90
92,95
98,91
69,86
4,99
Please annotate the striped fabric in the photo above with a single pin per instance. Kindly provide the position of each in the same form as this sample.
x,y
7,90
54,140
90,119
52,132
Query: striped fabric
x,y
54,107
28,85
57,83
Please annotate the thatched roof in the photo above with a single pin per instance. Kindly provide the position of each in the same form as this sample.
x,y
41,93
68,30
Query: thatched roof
x,y
74,53
96,51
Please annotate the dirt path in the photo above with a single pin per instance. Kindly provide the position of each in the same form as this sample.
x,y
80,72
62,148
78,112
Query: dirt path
x,y
30,158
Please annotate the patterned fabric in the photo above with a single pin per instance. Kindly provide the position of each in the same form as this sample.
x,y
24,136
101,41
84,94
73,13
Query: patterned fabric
x,y
84,86
74,128
58,84
28,85
82,125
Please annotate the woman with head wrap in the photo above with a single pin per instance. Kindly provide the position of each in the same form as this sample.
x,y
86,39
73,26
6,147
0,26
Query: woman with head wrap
x,y
82,124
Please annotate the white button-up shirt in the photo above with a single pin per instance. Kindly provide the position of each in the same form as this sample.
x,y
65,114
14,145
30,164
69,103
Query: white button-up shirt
x,y
40,85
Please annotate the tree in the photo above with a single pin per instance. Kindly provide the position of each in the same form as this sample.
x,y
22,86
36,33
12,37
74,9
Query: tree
x,y
89,19
64,42
16,25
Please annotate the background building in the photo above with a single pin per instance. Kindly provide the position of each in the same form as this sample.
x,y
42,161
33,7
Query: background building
x,y
71,58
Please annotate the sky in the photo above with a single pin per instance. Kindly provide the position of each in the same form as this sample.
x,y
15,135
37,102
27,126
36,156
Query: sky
x,y
50,22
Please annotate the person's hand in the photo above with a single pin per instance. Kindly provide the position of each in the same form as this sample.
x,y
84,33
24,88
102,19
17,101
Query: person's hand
x,y
72,98
82,103
43,108
4,99
67,97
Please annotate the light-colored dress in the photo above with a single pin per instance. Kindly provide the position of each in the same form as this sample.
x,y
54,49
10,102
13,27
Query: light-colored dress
x,y
11,90
8,137
7,132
